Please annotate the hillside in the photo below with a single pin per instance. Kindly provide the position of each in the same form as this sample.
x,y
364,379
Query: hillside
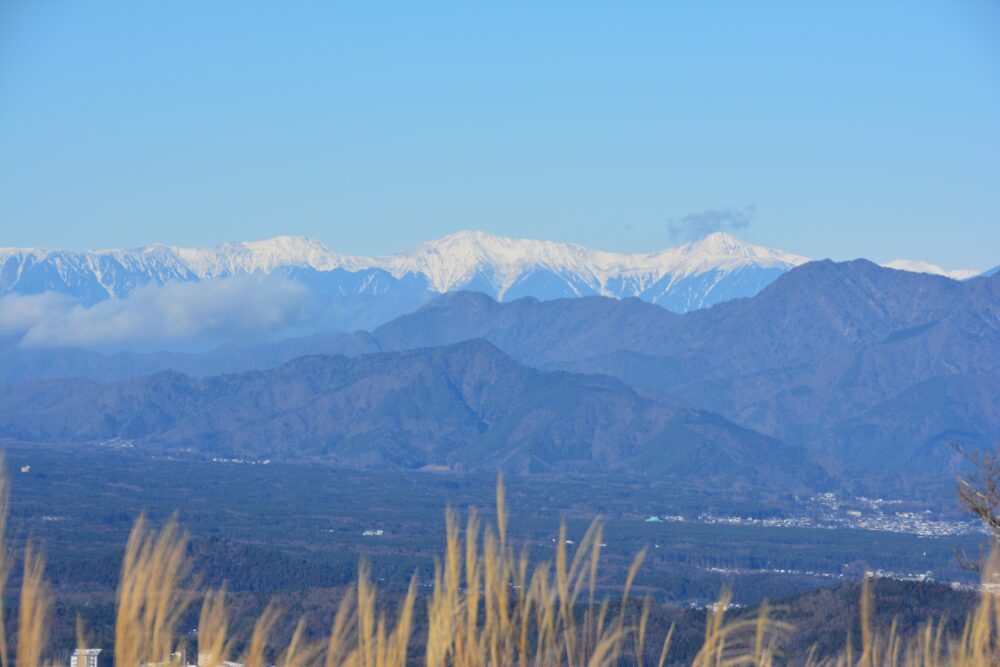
x,y
844,358
467,406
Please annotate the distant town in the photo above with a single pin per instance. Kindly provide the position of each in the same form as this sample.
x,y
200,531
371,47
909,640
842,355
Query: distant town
x,y
828,511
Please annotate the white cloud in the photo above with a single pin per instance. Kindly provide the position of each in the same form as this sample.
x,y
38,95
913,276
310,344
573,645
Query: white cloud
x,y
694,226
19,312
223,309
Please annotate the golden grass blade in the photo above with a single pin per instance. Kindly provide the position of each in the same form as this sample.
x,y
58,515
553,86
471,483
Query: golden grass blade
x,y
33,613
404,627
299,652
866,624
150,599
501,513
365,617
214,645
641,633
255,656
337,643
5,562
666,645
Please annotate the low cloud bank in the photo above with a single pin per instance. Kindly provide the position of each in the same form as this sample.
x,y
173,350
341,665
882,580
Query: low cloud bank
x,y
176,312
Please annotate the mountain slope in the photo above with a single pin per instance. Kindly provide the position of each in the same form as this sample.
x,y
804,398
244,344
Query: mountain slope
x,y
468,406
809,360
851,360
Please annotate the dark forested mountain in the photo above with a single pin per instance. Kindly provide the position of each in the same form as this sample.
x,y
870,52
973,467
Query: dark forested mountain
x,y
467,406
875,368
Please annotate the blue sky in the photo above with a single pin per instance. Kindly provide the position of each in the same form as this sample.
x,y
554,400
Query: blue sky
x,y
851,128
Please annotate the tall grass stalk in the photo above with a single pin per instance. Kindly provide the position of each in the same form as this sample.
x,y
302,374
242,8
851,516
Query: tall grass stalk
x,y
4,554
151,600
33,611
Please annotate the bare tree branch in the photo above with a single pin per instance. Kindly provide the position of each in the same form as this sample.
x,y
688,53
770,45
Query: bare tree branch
x,y
979,493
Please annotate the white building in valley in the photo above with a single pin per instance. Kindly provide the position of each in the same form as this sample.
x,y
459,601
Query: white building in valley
x,y
89,657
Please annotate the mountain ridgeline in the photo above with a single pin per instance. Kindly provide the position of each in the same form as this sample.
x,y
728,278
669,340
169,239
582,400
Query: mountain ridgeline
x,y
853,366
864,366
466,406
362,292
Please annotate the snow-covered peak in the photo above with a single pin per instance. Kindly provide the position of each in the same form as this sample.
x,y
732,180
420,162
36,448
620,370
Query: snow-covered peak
x,y
455,259
264,256
721,250
917,266
724,244
720,244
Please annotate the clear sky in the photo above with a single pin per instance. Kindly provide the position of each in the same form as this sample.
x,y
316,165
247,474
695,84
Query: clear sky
x,y
851,128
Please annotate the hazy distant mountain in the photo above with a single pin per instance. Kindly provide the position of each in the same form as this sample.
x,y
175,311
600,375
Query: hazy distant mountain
x,y
875,367
926,267
22,364
366,291
467,406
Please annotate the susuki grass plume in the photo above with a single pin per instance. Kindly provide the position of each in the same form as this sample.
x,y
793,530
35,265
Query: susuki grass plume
x,y
255,656
214,644
4,554
33,611
150,598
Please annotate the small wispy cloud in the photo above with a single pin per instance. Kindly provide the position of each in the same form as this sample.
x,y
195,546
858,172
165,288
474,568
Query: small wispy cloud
x,y
696,225
224,309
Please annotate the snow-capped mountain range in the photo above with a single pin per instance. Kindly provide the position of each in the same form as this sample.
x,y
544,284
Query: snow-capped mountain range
x,y
476,260
361,292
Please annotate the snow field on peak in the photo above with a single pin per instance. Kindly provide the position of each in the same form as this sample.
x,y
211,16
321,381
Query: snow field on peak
x,y
916,266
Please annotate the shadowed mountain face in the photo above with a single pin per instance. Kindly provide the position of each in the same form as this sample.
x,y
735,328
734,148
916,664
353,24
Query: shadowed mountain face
x,y
874,368
814,308
468,406
870,368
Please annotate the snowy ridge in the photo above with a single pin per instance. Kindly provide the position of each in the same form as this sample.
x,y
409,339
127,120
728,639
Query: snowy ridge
x,y
453,261
916,266
260,256
371,289
448,263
